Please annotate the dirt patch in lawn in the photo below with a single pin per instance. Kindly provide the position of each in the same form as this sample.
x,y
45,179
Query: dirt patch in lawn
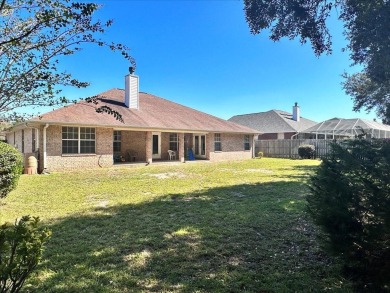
x,y
168,175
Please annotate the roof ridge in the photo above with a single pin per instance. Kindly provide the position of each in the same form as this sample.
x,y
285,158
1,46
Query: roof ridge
x,y
187,107
254,113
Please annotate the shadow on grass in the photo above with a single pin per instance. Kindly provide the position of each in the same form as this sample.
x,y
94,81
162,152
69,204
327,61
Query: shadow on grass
x,y
252,238
302,172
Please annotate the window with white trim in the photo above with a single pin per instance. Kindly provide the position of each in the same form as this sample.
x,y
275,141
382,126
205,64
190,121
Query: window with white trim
x,y
117,141
217,142
78,140
247,145
173,142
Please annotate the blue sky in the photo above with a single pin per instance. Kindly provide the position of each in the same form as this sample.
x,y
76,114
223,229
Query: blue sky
x,y
201,54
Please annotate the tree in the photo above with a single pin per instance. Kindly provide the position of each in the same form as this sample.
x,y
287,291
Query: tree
x,y
35,35
366,27
350,200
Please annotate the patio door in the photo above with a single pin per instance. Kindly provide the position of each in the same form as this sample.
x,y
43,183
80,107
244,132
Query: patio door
x,y
156,145
200,145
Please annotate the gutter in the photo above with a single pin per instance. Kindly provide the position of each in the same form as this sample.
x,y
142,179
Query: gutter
x,y
294,135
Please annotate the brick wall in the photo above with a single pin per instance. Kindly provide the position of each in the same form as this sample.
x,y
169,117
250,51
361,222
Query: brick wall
x,y
209,145
232,147
268,136
288,135
164,145
40,149
133,142
56,161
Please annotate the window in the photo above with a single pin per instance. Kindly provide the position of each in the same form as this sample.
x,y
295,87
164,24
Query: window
x,y
33,140
117,141
217,142
78,140
247,145
173,142
23,141
87,140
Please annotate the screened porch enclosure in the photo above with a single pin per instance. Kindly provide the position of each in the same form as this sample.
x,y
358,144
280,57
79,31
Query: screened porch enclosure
x,y
337,128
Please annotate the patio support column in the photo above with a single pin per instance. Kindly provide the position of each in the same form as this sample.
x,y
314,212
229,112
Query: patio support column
x,y
149,147
181,147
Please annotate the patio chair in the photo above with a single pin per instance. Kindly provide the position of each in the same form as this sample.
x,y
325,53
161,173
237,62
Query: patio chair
x,y
131,155
172,155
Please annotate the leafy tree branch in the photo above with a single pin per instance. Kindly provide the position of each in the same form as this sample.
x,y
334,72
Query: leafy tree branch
x,y
35,36
366,27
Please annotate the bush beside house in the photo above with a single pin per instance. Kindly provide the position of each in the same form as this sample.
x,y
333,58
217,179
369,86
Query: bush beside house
x,y
11,166
21,244
350,200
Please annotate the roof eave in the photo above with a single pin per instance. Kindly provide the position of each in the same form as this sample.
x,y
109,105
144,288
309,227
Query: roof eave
x,y
135,128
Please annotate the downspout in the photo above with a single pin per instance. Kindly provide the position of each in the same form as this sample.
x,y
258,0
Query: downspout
x,y
292,136
44,146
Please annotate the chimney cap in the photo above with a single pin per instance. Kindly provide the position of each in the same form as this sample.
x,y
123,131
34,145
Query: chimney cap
x,y
296,104
131,69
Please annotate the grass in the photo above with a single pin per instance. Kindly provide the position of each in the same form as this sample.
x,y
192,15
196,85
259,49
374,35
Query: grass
x,y
195,227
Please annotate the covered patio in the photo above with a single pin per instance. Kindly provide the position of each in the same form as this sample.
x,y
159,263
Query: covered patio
x,y
132,147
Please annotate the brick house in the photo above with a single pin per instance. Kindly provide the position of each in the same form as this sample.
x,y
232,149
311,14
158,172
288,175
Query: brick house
x,y
76,136
275,124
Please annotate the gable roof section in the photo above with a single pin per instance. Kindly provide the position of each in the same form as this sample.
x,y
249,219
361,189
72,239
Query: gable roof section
x,y
273,121
153,113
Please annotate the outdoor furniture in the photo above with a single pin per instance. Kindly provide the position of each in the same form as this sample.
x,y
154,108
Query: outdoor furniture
x,y
172,155
131,155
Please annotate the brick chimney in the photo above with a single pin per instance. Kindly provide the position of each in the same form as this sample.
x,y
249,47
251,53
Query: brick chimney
x,y
296,116
132,90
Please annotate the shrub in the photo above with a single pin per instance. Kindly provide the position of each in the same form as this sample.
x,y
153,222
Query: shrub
x,y
306,151
260,155
350,200
21,247
11,166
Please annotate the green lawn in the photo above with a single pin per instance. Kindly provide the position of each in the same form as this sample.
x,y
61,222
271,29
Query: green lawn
x,y
194,227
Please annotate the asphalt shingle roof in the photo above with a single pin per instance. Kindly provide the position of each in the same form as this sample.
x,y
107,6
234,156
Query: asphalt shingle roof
x,y
153,113
273,121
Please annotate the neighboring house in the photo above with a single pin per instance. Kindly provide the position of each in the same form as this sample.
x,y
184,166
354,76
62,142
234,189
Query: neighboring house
x,y
275,124
76,136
